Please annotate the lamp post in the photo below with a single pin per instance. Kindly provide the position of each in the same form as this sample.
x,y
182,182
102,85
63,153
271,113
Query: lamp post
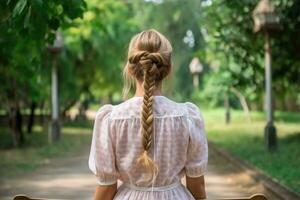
x,y
267,21
196,68
54,50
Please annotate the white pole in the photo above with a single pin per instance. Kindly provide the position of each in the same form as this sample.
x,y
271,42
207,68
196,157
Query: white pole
x,y
54,93
268,77
196,81
54,132
270,130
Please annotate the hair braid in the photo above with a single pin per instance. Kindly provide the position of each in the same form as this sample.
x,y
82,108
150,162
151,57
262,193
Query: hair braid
x,y
149,62
147,118
147,112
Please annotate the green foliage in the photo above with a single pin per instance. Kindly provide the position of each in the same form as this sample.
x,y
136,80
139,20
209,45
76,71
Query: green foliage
x,y
26,28
96,34
174,19
96,46
231,39
217,83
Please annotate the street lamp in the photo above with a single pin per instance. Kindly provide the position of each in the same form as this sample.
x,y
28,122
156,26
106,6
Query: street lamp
x,y
54,50
266,21
196,68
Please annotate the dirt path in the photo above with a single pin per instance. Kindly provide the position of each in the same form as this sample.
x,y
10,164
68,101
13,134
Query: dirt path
x,y
225,180
71,179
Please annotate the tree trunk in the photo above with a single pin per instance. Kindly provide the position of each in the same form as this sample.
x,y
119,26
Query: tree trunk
x,y
227,108
15,118
83,108
31,117
243,102
67,107
42,112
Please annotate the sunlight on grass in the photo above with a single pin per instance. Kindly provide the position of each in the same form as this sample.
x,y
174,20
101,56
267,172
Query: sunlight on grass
x,y
246,140
76,131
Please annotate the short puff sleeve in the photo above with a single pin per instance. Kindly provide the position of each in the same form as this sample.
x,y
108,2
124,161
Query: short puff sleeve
x,y
197,152
102,154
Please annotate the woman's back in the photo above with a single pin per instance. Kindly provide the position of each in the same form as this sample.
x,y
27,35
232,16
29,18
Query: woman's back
x,y
179,147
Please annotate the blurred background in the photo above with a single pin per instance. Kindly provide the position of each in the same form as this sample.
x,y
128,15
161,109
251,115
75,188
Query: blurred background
x,y
61,60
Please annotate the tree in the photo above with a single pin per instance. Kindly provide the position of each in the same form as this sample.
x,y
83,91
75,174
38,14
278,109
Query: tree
x,y
27,27
96,47
230,28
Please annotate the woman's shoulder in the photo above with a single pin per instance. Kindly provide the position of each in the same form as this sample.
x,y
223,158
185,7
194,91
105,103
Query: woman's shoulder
x,y
193,110
104,111
187,108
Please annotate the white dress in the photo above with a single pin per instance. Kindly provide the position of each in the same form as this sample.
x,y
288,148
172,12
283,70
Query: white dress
x,y
179,148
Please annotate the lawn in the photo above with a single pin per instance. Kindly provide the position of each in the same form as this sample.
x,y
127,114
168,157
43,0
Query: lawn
x,y
38,152
245,140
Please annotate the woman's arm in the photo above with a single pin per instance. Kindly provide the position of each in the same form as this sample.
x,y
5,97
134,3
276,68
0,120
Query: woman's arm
x,y
105,192
196,186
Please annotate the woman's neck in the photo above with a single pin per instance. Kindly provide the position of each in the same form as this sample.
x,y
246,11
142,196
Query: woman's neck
x,y
140,90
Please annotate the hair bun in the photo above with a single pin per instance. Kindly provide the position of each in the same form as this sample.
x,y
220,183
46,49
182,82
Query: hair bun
x,y
154,63
158,59
146,59
135,59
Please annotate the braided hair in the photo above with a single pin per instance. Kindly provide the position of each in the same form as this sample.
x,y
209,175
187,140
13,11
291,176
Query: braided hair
x,y
149,61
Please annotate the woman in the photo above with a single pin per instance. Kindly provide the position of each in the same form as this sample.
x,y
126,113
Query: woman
x,y
149,142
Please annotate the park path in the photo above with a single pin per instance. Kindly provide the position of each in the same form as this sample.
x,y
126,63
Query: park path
x,y
71,179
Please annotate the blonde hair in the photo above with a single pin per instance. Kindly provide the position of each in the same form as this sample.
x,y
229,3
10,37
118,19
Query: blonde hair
x,y
149,62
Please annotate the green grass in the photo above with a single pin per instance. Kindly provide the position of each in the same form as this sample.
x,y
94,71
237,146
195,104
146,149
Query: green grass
x,y
37,152
245,140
